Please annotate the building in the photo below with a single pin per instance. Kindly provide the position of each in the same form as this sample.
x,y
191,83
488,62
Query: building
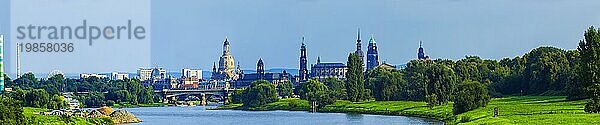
x,y
372,56
275,78
321,71
191,73
159,84
303,71
207,85
421,54
359,51
189,83
226,69
73,103
86,75
145,74
119,76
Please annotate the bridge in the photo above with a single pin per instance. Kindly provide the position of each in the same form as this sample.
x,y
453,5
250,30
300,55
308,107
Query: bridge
x,y
173,95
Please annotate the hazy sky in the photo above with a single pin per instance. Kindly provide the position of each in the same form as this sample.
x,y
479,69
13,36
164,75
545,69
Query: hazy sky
x,y
190,33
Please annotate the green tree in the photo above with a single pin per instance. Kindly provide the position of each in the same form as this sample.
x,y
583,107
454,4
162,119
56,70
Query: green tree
x,y
442,81
285,90
11,111
416,79
543,67
57,102
259,93
37,98
336,87
315,91
589,68
470,95
355,83
94,100
387,84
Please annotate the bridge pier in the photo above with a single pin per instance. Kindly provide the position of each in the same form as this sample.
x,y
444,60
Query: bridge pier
x,y
203,99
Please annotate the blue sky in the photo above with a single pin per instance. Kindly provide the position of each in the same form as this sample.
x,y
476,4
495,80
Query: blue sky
x,y
190,33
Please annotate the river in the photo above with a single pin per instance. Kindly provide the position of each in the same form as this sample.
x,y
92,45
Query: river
x,y
196,115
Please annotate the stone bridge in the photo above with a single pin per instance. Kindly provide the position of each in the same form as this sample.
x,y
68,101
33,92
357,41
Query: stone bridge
x,y
171,95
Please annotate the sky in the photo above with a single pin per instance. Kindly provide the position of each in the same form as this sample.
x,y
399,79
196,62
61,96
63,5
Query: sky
x,y
190,33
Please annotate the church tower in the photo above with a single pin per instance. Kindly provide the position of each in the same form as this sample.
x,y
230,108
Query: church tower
x,y
260,69
372,56
226,69
359,51
421,53
303,68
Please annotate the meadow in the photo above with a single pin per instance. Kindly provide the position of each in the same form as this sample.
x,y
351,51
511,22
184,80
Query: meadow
x,y
512,110
34,117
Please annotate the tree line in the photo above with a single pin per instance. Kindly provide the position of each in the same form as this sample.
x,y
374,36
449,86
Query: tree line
x,y
469,82
101,92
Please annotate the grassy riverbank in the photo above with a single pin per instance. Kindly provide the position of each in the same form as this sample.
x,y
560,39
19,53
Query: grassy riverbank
x,y
127,105
512,110
33,115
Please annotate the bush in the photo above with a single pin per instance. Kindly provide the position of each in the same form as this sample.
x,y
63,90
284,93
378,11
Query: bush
x,y
465,118
12,112
592,106
110,103
471,95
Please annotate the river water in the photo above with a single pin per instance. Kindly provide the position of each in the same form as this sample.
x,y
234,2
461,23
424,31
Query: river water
x,y
198,115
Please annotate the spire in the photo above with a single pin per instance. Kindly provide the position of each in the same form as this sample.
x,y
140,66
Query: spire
x,y
420,44
318,60
303,40
372,40
214,67
358,38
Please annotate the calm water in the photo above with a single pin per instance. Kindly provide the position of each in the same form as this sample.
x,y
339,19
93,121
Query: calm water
x,y
199,115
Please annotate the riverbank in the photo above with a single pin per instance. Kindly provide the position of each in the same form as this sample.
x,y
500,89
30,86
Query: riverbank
x,y
33,115
127,105
512,110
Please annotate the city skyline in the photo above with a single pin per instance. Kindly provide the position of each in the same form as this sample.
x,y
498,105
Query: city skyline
x,y
258,29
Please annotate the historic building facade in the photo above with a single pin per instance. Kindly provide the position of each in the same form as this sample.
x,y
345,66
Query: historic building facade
x,y
275,78
372,56
226,69
321,70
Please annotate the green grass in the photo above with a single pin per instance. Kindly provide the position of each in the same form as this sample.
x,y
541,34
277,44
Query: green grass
x,y
292,104
532,110
512,110
403,108
127,105
34,117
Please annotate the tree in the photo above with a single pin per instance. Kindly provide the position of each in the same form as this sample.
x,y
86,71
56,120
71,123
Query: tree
x,y
315,91
589,68
11,111
26,81
57,102
387,84
355,84
94,100
259,93
543,67
285,90
416,79
37,98
336,87
441,84
470,95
